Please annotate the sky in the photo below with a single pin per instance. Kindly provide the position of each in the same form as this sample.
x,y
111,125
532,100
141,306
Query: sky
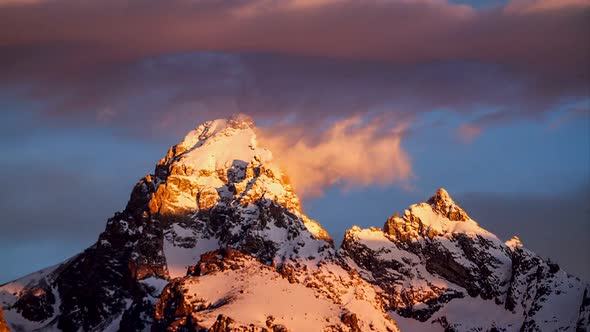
x,y
488,99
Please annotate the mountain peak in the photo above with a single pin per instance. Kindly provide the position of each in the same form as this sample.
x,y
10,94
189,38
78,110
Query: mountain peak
x,y
439,215
219,165
441,195
514,243
241,120
442,203
218,160
219,142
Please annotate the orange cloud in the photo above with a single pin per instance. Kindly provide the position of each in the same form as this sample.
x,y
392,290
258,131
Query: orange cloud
x,y
468,132
351,152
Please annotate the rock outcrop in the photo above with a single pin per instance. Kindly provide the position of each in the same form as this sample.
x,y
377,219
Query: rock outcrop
x,y
434,261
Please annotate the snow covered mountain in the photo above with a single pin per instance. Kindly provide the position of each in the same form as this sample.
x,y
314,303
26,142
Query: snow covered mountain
x,y
215,240
438,269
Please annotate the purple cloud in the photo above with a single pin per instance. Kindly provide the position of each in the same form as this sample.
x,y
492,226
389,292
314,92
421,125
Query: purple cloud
x,y
176,60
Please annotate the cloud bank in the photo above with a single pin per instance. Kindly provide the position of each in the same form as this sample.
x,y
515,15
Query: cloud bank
x,y
150,66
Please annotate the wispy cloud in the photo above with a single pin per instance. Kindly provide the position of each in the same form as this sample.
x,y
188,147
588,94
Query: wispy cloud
x,y
468,132
352,152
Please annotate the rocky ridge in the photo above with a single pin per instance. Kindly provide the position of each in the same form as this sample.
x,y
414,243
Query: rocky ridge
x,y
434,262
215,239
215,189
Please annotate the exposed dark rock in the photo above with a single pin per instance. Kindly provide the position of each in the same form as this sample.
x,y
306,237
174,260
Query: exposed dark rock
x,y
223,324
279,328
178,311
171,312
37,302
350,320
442,203
218,260
583,324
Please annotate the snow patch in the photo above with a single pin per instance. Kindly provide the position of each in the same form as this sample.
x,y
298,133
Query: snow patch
x,y
179,255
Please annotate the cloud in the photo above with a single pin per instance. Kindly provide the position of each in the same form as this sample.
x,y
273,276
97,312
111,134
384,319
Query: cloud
x,y
151,65
468,132
578,111
531,6
18,2
352,152
401,31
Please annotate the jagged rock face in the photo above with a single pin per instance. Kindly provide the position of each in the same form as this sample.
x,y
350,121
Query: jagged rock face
x,y
451,245
216,188
545,296
217,182
443,204
218,163
315,303
216,240
434,262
